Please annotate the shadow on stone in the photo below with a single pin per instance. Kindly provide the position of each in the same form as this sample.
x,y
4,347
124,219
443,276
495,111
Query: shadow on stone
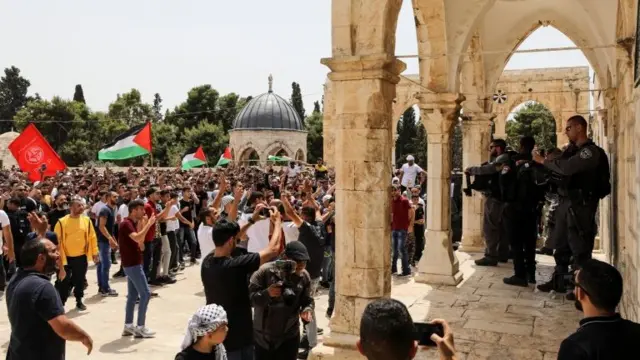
x,y
119,346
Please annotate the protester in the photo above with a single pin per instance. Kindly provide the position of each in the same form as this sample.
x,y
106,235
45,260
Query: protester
x,y
205,333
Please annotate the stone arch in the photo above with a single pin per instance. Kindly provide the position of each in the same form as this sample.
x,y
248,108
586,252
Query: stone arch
x,y
275,147
300,155
364,28
564,25
248,155
431,29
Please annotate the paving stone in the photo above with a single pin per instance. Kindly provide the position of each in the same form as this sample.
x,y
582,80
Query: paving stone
x,y
496,352
528,310
494,307
500,316
499,327
511,301
475,335
550,356
549,344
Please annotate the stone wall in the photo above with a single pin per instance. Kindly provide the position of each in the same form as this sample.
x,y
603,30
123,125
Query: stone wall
x,y
268,142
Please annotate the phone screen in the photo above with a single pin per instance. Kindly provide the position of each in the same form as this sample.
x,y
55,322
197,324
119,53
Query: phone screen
x,y
424,332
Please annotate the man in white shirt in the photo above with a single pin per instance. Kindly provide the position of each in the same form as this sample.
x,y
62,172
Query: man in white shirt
x,y
173,224
5,234
258,233
205,232
409,173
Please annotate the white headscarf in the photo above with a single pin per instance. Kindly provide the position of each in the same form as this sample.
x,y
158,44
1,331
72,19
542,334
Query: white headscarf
x,y
207,319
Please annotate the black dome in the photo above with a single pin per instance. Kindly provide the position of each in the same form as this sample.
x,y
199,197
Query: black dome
x,y
268,111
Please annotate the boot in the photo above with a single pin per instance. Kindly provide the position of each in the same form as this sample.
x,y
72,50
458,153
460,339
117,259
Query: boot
x,y
515,281
486,261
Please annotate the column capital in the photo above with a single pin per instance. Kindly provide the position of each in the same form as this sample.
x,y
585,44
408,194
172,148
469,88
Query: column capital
x,y
479,121
379,66
439,112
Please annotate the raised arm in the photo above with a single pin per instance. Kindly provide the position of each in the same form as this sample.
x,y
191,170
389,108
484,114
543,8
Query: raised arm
x,y
275,243
289,211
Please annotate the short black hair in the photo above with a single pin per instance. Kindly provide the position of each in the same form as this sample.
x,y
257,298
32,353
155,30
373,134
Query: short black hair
x,y
164,192
602,283
578,120
223,231
386,330
308,213
30,252
134,204
528,143
500,143
151,191
255,196
204,213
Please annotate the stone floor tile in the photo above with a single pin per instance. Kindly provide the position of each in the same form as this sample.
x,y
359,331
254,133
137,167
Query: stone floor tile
x,y
499,316
474,335
528,310
496,352
499,327
554,327
494,307
512,301
530,295
550,356
532,342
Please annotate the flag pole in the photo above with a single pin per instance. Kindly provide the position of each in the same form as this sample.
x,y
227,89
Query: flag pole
x,y
151,157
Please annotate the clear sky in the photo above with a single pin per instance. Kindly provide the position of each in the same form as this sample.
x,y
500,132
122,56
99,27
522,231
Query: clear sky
x,y
171,46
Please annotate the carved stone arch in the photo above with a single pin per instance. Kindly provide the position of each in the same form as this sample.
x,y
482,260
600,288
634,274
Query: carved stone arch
x,y
560,23
431,29
248,153
361,28
300,155
275,147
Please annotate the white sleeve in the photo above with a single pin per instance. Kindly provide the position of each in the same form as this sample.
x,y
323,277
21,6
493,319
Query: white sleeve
x,y
4,219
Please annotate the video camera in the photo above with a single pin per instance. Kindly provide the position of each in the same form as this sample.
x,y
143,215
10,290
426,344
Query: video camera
x,y
284,270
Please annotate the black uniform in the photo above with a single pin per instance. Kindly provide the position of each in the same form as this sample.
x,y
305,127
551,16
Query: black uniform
x,y
586,176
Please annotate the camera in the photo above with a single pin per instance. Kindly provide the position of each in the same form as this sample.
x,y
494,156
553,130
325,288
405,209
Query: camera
x,y
284,270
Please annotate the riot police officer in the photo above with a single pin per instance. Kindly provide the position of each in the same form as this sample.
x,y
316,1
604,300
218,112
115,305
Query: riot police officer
x,y
585,179
522,196
494,224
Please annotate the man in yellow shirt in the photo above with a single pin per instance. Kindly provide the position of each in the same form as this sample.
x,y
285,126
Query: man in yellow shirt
x,y
78,244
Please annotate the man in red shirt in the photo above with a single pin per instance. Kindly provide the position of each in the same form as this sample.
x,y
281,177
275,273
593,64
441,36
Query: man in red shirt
x,y
153,240
401,213
131,238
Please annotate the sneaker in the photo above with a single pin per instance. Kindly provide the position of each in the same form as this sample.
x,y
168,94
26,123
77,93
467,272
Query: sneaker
x,y
181,266
153,294
405,274
80,306
143,332
112,293
103,293
156,282
303,355
320,331
129,330
544,251
119,274
167,280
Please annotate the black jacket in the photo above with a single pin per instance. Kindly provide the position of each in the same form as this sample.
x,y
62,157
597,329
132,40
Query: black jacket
x,y
602,338
273,320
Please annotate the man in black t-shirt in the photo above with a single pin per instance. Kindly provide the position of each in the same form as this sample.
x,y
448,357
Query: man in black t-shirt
x,y
39,327
226,279
185,232
418,225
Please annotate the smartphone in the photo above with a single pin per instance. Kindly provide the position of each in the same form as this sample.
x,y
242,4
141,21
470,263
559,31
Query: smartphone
x,y
424,332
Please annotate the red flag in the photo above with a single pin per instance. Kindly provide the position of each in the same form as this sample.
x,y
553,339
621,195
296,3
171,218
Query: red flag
x,y
31,150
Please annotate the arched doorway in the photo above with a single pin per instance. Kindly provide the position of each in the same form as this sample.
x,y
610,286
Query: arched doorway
x,y
531,118
249,157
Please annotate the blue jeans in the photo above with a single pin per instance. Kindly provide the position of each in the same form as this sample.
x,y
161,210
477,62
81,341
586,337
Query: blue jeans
x,y
136,286
400,248
187,234
102,269
246,353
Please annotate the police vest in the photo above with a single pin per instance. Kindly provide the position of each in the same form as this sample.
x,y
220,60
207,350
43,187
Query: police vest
x,y
595,184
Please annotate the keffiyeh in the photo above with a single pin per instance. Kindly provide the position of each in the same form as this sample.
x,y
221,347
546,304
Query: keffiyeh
x,y
207,319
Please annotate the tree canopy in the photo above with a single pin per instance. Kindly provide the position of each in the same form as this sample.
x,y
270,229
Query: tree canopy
x,y
532,119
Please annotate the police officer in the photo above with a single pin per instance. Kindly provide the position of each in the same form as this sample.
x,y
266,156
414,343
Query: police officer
x,y
584,169
522,196
494,224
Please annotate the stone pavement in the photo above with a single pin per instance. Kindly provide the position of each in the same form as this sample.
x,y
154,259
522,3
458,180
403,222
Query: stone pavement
x,y
490,320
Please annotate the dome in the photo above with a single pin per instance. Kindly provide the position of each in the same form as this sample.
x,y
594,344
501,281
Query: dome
x,y
268,112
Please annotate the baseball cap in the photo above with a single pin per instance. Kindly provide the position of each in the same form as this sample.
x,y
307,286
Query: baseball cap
x,y
296,251
410,158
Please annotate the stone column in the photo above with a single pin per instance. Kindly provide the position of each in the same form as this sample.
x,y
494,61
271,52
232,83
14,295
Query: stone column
x,y
393,150
439,265
363,90
328,132
476,137
500,127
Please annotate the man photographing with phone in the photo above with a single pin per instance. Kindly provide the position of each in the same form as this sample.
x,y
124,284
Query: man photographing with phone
x,y
387,332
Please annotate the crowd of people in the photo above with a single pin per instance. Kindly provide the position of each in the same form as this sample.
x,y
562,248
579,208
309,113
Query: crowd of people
x,y
264,239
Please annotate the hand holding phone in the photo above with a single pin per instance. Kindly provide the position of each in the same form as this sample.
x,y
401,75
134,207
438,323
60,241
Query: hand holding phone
x,y
441,336
424,332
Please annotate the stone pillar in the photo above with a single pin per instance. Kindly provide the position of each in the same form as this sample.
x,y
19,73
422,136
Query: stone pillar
x,y
500,131
363,89
393,150
439,265
328,132
476,137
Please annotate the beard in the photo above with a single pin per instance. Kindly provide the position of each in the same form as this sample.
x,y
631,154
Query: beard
x,y
50,266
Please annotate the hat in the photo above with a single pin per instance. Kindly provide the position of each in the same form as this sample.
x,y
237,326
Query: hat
x,y
410,158
326,198
296,251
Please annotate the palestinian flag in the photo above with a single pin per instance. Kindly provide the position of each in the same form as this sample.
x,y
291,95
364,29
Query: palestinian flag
x,y
193,158
133,143
225,158
279,158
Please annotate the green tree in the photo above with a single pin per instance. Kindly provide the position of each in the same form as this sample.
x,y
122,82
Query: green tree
x,y
201,105
164,139
228,107
412,139
296,100
129,108
211,136
78,94
13,96
157,108
316,107
315,143
533,119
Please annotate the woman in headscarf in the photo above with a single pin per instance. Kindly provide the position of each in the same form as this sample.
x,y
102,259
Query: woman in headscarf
x,y
205,333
